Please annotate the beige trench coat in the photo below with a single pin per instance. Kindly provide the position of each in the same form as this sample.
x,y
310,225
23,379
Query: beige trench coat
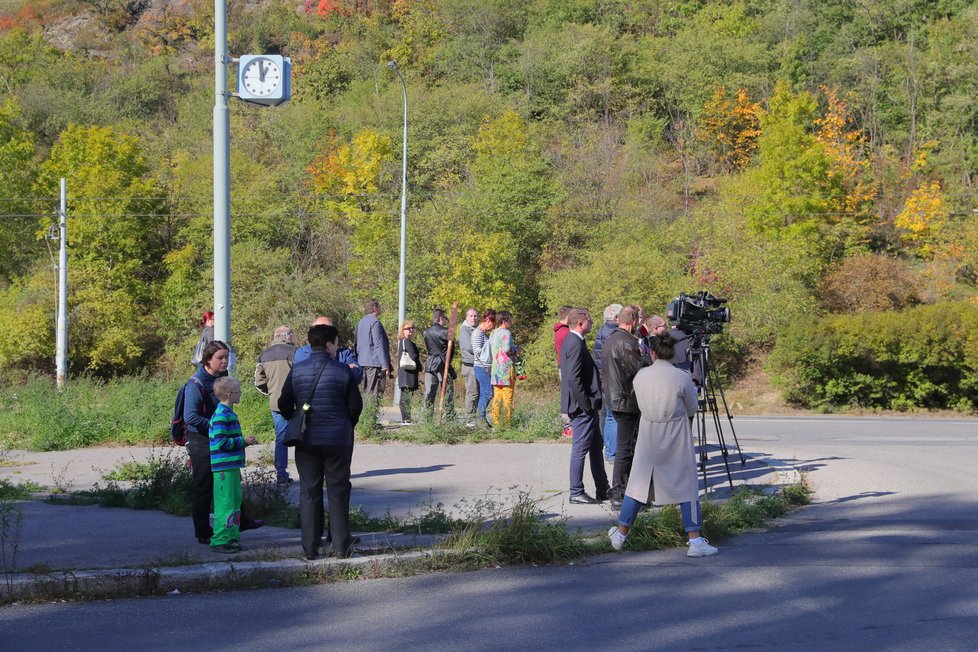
x,y
664,456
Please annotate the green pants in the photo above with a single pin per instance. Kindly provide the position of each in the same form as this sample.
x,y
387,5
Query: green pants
x,y
227,507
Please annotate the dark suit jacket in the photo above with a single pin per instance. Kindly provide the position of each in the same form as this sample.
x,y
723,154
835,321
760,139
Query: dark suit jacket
x,y
580,386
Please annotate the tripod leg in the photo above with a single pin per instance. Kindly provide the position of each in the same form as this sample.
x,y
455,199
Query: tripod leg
x,y
730,421
711,399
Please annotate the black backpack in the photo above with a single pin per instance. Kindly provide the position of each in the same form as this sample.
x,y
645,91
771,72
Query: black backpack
x,y
178,427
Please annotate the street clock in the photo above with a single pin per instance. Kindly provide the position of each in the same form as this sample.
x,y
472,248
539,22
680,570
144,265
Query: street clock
x,y
264,79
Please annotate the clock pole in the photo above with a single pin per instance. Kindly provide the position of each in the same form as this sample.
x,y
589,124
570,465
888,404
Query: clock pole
x,y
222,180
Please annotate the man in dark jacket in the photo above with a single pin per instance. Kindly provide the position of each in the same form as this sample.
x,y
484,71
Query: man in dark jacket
x,y
609,429
436,343
621,360
274,365
580,399
326,450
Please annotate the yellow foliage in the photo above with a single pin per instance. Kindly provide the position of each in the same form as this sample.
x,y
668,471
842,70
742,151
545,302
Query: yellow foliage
x,y
731,127
349,171
924,217
846,151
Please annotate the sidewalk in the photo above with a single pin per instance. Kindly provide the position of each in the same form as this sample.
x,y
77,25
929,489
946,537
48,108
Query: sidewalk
x,y
65,547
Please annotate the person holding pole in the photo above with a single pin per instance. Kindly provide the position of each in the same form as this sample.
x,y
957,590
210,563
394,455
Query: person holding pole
x,y
436,344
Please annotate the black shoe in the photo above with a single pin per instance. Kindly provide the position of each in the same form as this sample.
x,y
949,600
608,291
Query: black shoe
x,y
311,556
251,524
284,480
204,540
602,496
583,499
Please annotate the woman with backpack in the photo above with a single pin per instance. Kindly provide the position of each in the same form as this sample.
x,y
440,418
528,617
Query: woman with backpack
x,y
199,405
482,360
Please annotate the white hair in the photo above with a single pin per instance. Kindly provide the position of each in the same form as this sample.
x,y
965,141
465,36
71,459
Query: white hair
x,y
611,312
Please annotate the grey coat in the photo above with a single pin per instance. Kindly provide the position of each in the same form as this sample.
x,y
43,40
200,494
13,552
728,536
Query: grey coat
x,y
664,457
373,347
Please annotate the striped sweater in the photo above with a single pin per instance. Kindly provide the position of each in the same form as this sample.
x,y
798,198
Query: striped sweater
x,y
227,442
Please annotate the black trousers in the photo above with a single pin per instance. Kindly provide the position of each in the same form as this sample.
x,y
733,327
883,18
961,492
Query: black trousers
x,y
625,452
201,483
330,465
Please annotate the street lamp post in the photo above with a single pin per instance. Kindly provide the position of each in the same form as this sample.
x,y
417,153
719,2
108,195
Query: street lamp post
x,y
402,277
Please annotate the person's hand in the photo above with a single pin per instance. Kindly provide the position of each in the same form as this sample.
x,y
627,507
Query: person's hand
x,y
251,441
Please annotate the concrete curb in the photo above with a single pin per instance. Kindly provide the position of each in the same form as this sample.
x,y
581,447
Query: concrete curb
x,y
129,582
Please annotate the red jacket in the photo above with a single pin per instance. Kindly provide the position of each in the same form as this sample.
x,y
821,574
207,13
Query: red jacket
x,y
560,332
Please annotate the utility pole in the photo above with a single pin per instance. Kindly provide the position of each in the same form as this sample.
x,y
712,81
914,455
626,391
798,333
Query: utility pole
x,y
222,179
402,276
61,341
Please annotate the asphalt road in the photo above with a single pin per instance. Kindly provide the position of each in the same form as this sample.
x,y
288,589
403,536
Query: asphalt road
x,y
885,559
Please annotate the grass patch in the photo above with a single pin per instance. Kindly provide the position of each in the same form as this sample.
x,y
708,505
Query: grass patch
x,y
747,509
36,416
533,420
519,535
433,519
19,490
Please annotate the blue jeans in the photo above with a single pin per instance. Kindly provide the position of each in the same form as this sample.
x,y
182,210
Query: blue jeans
x,y
281,451
485,389
691,522
610,435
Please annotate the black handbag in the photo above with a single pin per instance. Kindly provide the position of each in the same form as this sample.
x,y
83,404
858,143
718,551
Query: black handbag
x,y
296,429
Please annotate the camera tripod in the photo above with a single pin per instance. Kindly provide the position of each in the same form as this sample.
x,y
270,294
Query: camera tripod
x,y
706,401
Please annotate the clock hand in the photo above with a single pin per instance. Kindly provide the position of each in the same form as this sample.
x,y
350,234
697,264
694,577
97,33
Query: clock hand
x,y
261,72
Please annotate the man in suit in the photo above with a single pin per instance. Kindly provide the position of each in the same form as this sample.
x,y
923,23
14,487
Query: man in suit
x,y
373,350
580,399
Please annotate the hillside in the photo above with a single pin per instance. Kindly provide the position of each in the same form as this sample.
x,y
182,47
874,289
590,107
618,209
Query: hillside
x,y
807,159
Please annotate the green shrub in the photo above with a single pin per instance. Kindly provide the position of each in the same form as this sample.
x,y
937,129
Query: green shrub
x,y
922,357
127,410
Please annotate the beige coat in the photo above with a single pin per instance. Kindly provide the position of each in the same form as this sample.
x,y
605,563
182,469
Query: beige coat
x,y
664,456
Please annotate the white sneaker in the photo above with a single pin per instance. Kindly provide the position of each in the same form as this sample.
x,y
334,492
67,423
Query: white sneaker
x,y
617,538
700,547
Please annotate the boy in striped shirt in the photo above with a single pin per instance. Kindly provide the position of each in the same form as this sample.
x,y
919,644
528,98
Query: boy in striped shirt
x,y
227,459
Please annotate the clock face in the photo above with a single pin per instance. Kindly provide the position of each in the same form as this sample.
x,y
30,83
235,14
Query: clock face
x,y
262,77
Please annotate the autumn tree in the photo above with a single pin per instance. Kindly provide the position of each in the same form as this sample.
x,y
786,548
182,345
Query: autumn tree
x,y
924,218
730,127
347,177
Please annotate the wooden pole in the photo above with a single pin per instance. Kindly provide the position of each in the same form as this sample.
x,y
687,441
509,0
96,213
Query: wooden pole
x,y
448,360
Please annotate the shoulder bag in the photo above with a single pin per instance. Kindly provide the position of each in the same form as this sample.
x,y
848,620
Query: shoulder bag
x,y
406,362
296,430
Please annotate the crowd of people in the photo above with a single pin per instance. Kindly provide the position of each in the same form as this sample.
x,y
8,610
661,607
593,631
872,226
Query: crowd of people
x,y
629,401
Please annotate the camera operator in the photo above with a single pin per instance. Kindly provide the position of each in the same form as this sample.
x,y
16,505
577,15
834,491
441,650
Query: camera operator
x,y
621,360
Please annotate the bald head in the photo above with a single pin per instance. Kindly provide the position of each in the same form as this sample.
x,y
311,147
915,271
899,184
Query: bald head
x,y
323,321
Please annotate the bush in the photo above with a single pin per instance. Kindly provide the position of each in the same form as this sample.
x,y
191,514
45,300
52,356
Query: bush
x,y
923,357
869,283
